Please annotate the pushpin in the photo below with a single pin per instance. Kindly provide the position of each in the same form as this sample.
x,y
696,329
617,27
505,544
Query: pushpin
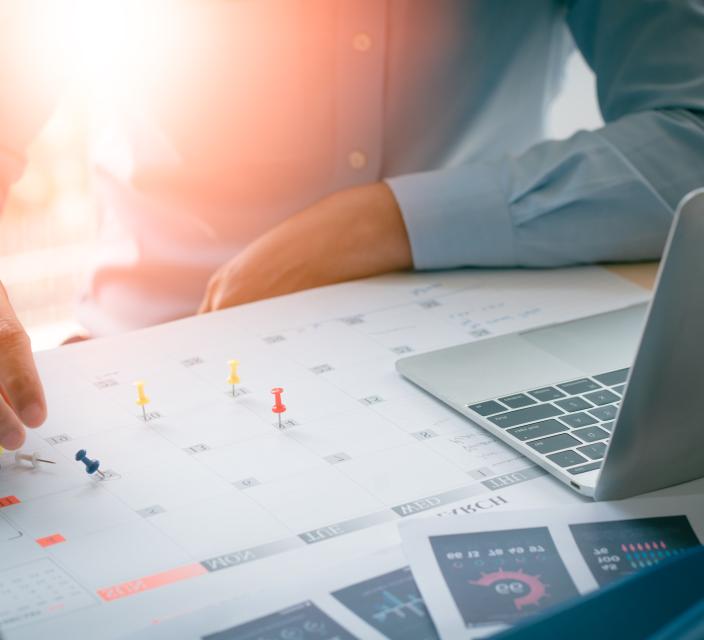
x,y
32,458
142,399
92,466
234,377
279,407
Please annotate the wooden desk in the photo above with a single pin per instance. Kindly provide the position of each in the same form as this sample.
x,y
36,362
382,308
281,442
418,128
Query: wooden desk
x,y
642,273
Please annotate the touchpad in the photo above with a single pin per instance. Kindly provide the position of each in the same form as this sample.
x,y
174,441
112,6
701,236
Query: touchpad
x,y
595,344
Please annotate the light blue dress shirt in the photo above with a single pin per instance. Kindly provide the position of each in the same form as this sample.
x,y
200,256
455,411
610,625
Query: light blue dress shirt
x,y
260,108
604,195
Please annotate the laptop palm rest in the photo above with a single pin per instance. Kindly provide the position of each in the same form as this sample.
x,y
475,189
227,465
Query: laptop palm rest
x,y
481,370
595,344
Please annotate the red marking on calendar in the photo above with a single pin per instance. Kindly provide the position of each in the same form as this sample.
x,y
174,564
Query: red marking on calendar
x,y
50,541
151,582
8,501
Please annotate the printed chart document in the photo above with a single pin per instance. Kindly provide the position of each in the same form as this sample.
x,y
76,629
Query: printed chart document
x,y
208,499
480,575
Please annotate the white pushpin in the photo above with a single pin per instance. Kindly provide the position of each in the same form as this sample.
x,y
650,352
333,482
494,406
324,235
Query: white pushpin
x,y
32,458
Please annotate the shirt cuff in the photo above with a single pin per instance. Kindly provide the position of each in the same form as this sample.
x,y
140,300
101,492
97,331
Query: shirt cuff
x,y
456,217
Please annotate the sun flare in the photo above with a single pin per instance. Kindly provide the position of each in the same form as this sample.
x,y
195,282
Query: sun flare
x,y
104,44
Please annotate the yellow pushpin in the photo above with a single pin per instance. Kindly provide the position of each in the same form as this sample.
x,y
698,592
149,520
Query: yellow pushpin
x,y
142,399
234,377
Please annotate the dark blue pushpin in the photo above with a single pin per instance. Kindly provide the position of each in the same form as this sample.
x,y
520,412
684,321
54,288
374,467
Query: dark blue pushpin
x,y
92,466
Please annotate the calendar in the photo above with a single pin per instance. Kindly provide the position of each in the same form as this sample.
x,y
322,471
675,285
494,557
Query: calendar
x,y
203,495
37,590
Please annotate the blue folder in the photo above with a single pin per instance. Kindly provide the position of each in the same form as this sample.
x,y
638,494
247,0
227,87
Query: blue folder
x,y
665,602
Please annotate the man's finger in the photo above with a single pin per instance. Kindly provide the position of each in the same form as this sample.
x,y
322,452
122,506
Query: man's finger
x,y
18,373
11,429
204,306
207,305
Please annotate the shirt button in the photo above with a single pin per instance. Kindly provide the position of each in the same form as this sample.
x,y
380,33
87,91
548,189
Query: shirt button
x,y
357,160
362,42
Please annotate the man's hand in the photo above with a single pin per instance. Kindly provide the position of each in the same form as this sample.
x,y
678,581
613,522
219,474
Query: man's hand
x,y
351,234
22,402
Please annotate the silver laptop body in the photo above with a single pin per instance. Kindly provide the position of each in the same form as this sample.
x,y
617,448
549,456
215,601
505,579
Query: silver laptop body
x,y
613,404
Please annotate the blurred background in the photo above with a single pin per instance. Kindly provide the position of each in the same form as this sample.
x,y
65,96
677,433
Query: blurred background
x,y
49,224
48,227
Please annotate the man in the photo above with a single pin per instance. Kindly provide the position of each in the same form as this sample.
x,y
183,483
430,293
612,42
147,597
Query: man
x,y
286,144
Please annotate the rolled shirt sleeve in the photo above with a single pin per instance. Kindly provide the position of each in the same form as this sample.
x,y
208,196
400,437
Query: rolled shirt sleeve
x,y
604,195
454,216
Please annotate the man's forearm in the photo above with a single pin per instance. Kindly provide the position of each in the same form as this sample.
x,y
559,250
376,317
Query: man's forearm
x,y
351,234
367,233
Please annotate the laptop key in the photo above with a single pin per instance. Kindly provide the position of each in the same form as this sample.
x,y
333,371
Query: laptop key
x,y
573,404
546,394
590,434
583,385
609,426
486,408
580,419
524,416
594,451
619,389
584,468
554,443
613,377
603,396
538,429
604,413
518,401
567,458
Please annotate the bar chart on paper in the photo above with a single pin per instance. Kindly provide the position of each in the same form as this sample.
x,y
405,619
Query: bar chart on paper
x,y
616,549
196,476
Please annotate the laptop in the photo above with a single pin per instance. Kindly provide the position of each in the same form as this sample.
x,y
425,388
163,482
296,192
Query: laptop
x,y
612,405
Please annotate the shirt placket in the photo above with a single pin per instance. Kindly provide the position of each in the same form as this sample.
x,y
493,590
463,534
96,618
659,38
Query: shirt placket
x,y
361,49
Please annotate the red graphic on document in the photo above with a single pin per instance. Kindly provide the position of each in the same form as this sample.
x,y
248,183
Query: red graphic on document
x,y
525,589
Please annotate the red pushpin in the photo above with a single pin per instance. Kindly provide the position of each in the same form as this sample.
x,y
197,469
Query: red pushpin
x,y
279,407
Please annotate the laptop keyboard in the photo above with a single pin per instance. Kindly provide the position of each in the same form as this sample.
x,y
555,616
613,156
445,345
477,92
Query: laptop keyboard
x,y
568,423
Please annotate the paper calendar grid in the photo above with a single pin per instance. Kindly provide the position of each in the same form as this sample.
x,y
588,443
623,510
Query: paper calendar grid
x,y
209,484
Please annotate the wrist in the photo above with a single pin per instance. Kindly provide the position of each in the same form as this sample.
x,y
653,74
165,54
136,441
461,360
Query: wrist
x,y
372,235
